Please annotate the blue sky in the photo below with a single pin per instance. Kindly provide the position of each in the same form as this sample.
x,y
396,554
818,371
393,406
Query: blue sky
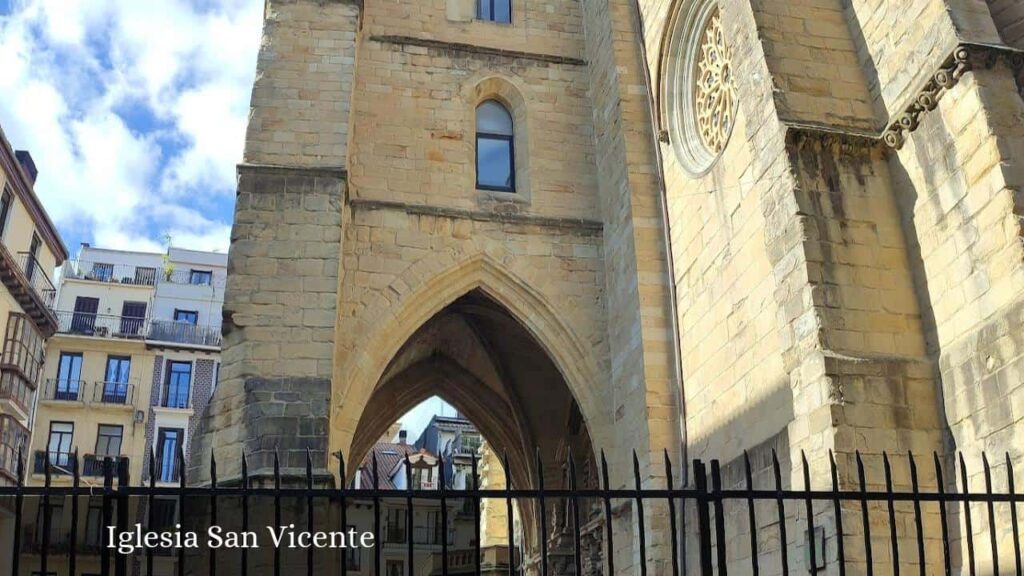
x,y
134,112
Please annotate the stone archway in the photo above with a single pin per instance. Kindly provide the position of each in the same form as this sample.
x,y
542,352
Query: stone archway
x,y
482,360
384,333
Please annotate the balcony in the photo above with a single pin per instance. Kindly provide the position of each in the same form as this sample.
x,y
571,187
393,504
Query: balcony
x,y
64,390
30,286
60,463
17,391
92,465
100,325
115,393
99,393
13,437
183,333
37,278
108,273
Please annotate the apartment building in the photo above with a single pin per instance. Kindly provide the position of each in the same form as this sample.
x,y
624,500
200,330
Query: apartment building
x,y
397,464
457,440
133,362
29,247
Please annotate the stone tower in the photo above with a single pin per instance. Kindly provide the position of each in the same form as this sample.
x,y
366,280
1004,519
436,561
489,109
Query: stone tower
x,y
725,225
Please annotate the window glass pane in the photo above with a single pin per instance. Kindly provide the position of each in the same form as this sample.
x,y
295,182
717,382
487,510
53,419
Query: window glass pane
x,y
179,379
483,10
201,277
186,316
503,11
493,118
494,162
108,440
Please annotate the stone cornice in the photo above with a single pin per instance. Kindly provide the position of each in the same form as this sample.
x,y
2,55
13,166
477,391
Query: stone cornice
x,y
309,171
577,225
480,50
965,57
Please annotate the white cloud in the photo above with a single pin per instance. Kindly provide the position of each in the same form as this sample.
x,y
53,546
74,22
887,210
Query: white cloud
x,y
135,112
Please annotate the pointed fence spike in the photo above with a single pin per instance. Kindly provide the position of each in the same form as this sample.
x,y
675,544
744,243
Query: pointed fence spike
x,y
277,471
376,479
940,487
809,510
968,521
341,467
245,471
918,521
990,506
20,466
309,469
607,513
213,471
181,466
1013,515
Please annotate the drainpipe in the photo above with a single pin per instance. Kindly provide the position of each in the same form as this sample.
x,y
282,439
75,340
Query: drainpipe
x,y
667,239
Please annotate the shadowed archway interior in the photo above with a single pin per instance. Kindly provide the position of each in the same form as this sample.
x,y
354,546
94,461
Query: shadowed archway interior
x,y
482,361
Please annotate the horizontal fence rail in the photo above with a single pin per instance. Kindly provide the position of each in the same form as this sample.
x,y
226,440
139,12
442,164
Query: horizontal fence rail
x,y
720,520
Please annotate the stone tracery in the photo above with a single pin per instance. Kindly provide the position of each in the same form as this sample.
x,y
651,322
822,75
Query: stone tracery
x,y
714,92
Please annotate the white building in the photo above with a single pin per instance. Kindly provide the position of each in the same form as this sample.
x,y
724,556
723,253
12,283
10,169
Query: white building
x,y
135,358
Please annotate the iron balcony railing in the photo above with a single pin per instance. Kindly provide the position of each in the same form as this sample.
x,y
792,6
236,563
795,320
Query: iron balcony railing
x,y
115,392
95,465
64,390
61,463
131,274
135,328
111,273
37,277
103,392
183,333
100,325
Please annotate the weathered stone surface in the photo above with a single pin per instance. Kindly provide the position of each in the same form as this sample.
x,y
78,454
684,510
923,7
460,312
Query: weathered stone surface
x,y
829,292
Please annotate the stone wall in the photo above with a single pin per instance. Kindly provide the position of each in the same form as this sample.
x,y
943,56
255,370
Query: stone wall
x,y
280,305
301,97
1008,16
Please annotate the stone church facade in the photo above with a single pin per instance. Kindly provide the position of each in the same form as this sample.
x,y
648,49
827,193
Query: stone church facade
x,y
732,225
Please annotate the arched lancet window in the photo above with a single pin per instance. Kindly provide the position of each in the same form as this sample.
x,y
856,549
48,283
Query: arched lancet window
x,y
494,10
495,153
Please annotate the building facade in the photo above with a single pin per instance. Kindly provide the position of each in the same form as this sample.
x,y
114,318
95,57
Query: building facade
x,y
395,464
130,369
712,227
30,248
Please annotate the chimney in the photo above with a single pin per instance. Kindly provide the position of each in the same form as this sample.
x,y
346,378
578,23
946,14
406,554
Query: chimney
x,y
403,437
27,164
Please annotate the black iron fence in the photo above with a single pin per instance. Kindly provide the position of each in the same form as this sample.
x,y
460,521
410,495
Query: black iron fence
x,y
802,511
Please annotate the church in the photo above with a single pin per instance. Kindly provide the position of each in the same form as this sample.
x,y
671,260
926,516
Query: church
x,y
722,229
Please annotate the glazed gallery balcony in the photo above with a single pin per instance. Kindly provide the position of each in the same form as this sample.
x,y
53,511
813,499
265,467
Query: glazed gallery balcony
x,y
137,328
13,438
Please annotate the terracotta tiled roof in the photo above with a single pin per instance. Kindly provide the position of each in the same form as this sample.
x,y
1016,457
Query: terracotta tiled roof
x,y
388,456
